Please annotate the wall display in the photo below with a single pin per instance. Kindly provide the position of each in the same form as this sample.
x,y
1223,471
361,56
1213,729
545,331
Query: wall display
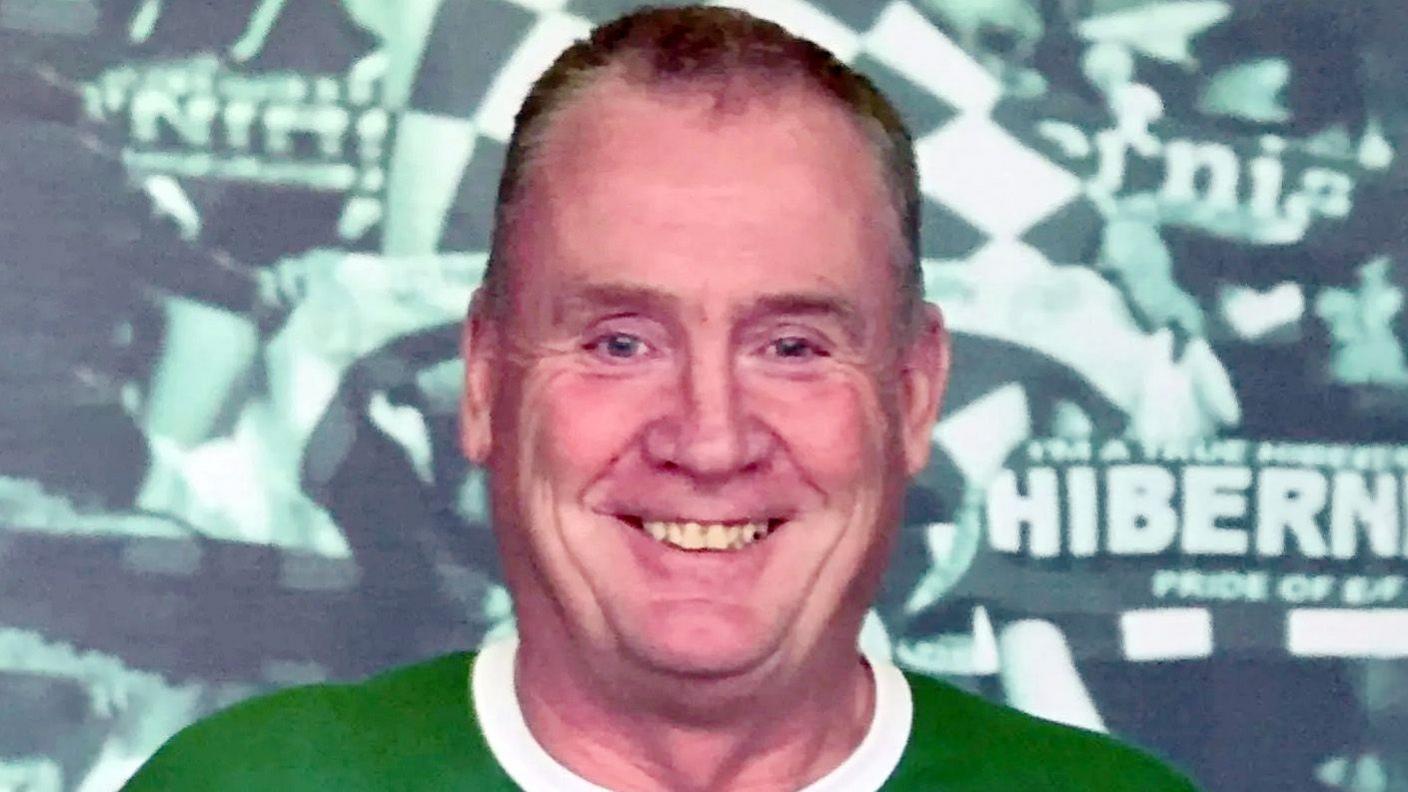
x,y
1168,496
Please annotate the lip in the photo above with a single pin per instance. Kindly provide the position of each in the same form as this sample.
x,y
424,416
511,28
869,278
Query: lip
x,y
727,515
653,500
638,518
638,521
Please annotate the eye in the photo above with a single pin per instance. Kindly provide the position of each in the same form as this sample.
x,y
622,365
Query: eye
x,y
795,348
617,346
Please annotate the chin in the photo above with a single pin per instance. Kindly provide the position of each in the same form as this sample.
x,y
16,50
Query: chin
x,y
695,640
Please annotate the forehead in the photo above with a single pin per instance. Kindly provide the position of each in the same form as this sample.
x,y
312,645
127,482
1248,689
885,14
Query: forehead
x,y
642,184
710,118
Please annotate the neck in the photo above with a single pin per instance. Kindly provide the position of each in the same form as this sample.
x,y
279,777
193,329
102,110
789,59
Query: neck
x,y
635,729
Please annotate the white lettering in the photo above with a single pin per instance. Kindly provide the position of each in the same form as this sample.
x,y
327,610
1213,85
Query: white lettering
x,y
1039,511
1141,516
1354,504
1288,501
1211,494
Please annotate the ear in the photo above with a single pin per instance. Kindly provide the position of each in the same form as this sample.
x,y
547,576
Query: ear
x,y
923,377
479,349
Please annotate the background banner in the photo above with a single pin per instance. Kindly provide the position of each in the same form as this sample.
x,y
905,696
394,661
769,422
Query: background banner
x,y
1169,493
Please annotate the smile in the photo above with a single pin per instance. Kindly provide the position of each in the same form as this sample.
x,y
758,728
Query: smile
x,y
709,536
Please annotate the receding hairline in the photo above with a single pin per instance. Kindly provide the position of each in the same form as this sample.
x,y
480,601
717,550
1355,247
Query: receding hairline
x,y
708,105
736,61
588,113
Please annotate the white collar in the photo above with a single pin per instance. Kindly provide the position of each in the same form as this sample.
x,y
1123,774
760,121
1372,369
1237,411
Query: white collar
x,y
519,753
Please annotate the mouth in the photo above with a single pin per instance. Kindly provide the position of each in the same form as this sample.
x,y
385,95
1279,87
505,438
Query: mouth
x,y
705,536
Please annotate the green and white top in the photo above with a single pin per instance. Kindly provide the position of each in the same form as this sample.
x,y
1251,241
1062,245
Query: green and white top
x,y
453,723
531,767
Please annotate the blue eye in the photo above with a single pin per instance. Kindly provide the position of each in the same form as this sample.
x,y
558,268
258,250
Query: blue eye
x,y
795,348
618,346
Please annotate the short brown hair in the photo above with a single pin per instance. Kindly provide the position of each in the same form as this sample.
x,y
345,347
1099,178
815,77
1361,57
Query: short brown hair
x,y
720,50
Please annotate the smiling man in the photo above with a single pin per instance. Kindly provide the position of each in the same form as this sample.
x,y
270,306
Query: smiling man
x,y
700,372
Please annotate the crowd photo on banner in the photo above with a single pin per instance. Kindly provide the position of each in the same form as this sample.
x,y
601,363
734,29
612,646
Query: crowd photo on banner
x,y
1168,493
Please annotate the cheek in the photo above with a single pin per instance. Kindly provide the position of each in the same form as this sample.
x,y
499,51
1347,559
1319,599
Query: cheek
x,y
589,420
831,426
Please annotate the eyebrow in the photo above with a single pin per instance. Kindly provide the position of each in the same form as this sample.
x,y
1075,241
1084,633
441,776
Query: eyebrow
x,y
842,311
588,298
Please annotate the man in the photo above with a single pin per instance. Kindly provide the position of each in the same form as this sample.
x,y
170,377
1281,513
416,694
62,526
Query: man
x,y
699,372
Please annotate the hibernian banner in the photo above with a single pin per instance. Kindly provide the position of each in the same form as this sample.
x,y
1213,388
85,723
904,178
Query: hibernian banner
x,y
1302,545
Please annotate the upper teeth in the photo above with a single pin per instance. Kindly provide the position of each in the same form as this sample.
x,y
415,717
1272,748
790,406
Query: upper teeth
x,y
707,536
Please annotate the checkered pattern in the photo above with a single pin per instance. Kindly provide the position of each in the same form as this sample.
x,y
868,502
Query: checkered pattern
x,y
982,185
991,199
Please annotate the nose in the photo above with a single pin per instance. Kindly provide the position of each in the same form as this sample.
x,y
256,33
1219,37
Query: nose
x,y
708,433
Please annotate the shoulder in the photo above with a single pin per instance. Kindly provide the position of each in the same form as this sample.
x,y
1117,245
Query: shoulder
x,y
318,736
976,744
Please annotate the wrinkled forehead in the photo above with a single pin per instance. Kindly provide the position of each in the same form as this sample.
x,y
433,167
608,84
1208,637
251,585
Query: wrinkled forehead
x,y
704,120
683,162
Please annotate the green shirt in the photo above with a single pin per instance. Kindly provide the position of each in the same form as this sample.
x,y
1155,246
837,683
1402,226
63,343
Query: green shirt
x,y
414,729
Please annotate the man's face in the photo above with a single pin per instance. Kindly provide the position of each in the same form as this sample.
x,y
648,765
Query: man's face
x,y
700,349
